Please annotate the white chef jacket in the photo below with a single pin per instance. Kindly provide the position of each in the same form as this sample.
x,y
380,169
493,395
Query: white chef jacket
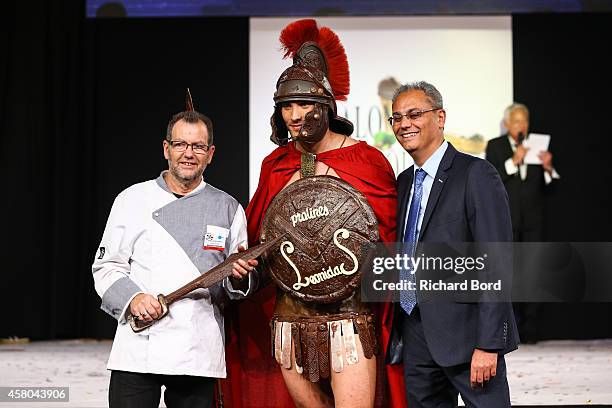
x,y
155,243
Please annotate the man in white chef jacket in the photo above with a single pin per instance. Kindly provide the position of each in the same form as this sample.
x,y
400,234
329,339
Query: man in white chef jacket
x,y
160,235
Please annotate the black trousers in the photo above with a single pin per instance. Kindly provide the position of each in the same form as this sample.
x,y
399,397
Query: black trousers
x,y
526,283
429,385
138,390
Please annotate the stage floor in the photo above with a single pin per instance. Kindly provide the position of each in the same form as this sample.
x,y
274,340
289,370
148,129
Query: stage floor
x,y
545,374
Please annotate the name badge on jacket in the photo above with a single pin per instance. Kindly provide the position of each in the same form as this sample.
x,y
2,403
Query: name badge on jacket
x,y
215,238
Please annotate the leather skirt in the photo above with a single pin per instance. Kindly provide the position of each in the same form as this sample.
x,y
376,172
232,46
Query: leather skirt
x,y
322,336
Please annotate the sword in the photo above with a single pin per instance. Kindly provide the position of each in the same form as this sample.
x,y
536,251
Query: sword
x,y
206,280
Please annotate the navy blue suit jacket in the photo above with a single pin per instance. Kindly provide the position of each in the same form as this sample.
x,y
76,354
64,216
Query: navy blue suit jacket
x,y
467,203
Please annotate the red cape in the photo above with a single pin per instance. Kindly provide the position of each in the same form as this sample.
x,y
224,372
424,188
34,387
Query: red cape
x,y
254,378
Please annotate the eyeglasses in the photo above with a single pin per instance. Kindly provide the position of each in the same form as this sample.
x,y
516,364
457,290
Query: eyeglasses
x,y
411,114
181,146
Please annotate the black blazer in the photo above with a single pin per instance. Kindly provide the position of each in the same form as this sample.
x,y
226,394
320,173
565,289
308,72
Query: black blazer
x,y
467,203
526,197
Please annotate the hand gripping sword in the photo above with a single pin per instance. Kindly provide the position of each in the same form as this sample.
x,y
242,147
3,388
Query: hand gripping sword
x,y
206,280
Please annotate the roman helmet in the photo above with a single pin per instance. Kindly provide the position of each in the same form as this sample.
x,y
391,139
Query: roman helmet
x,y
319,75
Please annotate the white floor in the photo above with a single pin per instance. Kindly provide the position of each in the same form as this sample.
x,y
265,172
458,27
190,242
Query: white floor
x,y
561,373
548,373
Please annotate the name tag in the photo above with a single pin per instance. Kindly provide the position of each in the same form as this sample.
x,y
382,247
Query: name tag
x,y
215,237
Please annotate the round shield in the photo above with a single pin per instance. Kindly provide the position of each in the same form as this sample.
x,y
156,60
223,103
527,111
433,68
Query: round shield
x,y
327,225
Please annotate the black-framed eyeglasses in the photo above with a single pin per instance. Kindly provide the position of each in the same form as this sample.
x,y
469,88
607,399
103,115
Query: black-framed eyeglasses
x,y
181,146
413,114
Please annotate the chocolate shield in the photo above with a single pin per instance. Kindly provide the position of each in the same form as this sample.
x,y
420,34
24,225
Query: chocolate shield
x,y
328,225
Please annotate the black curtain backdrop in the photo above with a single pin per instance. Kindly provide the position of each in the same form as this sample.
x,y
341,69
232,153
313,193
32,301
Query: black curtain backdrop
x,y
48,161
561,75
84,105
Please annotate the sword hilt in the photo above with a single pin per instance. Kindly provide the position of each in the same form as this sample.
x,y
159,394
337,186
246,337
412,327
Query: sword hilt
x,y
139,325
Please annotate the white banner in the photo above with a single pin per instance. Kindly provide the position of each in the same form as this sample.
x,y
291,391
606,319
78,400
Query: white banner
x,y
469,60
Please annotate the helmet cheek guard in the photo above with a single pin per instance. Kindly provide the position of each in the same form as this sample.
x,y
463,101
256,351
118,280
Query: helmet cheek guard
x,y
316,124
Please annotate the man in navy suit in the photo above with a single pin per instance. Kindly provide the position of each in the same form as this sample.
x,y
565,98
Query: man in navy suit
x,y
448,347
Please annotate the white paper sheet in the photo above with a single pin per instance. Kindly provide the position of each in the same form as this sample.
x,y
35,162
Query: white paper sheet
x,y
536,143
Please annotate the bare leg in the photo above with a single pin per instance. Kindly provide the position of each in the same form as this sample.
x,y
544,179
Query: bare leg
x,y
355,386
304,393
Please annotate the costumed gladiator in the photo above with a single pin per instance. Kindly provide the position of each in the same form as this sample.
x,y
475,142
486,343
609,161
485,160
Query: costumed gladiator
x,y
327,195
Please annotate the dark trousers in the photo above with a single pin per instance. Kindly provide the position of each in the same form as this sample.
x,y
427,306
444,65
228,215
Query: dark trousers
x,y
526,283
429,385
138,390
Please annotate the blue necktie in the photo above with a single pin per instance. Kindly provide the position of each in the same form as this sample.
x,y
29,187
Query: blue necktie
x,y
408,298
